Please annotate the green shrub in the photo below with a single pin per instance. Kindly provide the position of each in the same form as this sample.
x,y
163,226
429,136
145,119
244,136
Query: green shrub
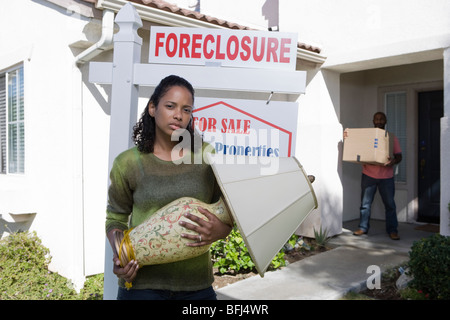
x,y
24,273
93,288
231,255
23,270
413,294
429,264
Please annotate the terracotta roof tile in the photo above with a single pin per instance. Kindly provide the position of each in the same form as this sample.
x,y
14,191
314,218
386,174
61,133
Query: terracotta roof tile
x,y
169,7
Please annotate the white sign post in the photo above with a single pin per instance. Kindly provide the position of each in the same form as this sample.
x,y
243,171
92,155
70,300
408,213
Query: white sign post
x,y
275,72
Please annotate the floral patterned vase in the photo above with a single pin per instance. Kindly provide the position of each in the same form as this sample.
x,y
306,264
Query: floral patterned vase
x,y
158,239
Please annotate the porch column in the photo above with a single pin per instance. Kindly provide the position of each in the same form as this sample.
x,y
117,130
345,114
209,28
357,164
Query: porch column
x,y
445,150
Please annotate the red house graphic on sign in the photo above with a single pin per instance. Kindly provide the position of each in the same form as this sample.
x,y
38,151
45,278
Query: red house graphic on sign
x,y
212,122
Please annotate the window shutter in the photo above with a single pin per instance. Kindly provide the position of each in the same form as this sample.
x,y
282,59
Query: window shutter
x,y
2,124
21,123
15,121
396,123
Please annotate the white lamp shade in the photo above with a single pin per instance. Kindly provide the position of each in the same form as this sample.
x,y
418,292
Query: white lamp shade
x,y
268,198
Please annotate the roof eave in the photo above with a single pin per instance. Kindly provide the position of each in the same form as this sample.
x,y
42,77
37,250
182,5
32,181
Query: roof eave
x,y
310,56
171,19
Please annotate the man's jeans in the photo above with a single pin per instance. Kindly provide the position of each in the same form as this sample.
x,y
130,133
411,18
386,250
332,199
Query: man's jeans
x,y
386,187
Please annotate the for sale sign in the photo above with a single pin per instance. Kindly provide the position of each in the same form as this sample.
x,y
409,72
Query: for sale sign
x,y
225,47
247,127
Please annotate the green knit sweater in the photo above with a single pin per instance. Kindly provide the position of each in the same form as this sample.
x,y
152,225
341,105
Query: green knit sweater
x,y
141,184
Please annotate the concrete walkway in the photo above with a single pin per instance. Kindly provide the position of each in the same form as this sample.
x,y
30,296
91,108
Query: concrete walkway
x,y
333,273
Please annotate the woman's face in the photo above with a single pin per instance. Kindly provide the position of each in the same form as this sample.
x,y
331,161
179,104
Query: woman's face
x,y
173,111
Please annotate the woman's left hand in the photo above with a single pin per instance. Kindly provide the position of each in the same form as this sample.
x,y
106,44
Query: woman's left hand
x,y
208,231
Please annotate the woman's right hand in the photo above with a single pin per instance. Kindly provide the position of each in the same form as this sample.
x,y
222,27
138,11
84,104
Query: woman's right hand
x,y
128,272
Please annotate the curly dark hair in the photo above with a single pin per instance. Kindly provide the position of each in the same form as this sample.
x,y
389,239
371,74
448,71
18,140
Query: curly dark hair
x,y
144,130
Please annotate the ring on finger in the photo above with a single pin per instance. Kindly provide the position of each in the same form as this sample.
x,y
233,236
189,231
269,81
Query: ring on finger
x,y
199,238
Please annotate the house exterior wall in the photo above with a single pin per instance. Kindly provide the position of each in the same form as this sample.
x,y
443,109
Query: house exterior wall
x,y
257,14
319,135
60,183
364,34
445,150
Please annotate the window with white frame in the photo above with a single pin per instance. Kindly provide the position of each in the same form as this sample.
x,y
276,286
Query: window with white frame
x,y
395,104
12,114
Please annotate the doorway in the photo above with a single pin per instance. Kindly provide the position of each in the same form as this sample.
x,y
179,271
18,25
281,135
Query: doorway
x,y
431,110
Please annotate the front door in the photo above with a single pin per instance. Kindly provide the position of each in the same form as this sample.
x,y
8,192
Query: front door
x,y
431,109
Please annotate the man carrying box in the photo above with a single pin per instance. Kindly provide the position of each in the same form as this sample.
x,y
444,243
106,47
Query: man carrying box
x,y
381,177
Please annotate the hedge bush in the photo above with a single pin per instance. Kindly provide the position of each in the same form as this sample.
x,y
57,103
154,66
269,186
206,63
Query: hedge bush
x,y
429,264
24,273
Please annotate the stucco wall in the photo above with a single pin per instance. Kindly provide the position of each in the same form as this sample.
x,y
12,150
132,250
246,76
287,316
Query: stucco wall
x,y
69,219
319,135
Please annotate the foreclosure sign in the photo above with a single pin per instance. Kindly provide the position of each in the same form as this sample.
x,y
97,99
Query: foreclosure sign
x,y
224,47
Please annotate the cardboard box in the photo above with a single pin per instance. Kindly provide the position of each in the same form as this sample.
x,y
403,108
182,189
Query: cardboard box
x,y
367,146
